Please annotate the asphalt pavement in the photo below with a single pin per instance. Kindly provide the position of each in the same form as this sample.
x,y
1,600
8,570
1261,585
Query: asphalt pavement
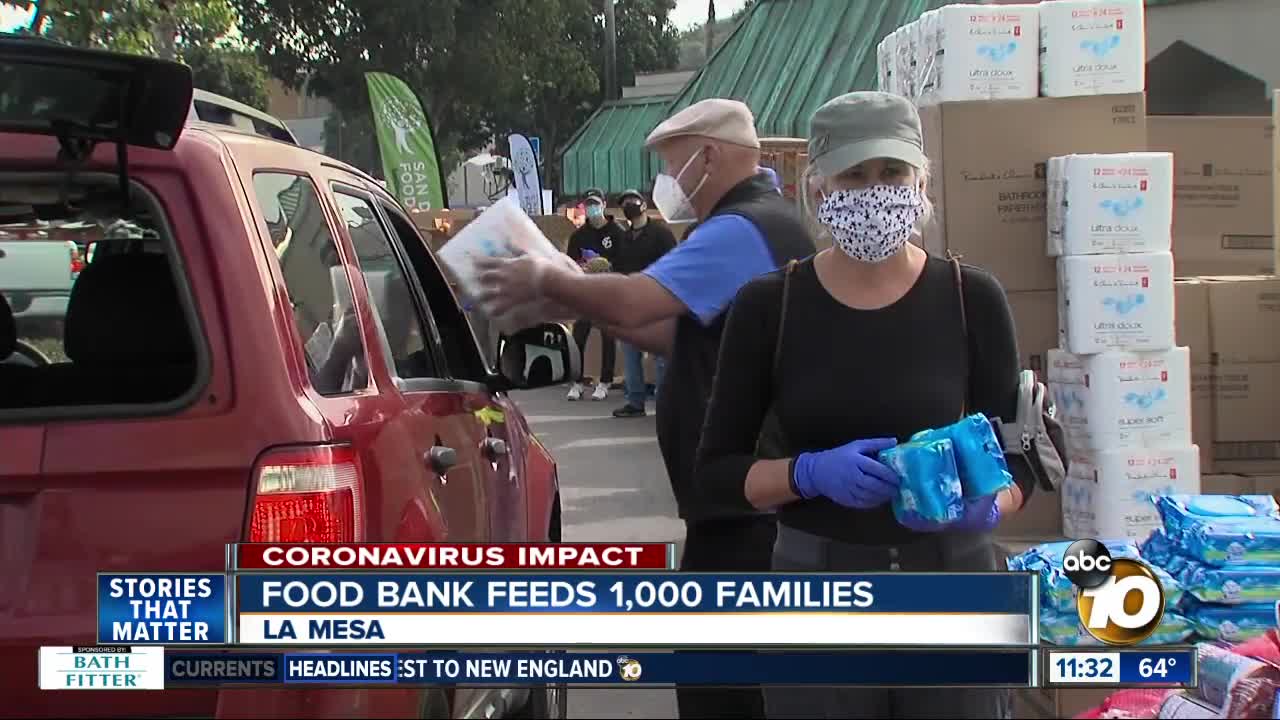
x,y
613,488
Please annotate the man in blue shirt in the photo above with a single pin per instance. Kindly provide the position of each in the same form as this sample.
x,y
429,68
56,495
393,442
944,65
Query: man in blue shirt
x,y
676,308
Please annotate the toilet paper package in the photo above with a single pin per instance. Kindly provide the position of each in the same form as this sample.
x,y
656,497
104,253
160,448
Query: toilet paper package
x,y
1116,302
1107,204
982,52
1112,493
1122,399
1092,47
886,79
904,49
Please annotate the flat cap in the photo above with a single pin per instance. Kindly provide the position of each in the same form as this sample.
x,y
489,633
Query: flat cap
x,y
728,121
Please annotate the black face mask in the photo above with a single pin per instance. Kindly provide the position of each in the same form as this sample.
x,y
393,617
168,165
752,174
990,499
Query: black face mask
x,y
632,211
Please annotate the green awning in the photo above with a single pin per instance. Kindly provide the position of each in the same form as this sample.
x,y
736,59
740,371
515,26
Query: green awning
x,y
788,57
608,151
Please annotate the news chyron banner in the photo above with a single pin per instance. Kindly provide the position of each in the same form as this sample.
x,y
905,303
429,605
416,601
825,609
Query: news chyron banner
x,y
319,613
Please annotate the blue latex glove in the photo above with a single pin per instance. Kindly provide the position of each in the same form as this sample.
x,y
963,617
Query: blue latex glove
x,y
980,515
849,475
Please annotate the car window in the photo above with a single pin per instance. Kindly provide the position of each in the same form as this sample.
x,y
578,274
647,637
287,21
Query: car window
x,y
316,281
457,333
390,293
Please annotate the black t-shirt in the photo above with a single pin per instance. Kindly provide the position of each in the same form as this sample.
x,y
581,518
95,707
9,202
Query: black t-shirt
x,y
849,374
642,248
604,240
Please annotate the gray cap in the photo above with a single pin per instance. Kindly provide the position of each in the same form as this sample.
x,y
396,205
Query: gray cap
x,y
859,126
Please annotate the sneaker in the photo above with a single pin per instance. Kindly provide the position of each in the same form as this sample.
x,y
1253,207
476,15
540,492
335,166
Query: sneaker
x,y
602,392
629,411
575,392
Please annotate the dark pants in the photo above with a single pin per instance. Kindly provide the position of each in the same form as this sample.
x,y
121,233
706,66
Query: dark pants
x,y
801,552
731,545
608,351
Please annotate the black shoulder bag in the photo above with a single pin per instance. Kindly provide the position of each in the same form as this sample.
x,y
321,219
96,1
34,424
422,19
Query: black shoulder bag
x,y
772,444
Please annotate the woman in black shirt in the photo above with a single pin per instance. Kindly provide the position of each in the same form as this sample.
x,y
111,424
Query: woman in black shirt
x,y
872,351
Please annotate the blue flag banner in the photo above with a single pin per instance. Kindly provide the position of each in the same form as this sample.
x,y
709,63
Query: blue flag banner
x,y
636,609
867,668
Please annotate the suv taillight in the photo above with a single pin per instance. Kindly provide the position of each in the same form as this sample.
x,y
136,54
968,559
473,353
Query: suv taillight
x,y
310,494
77,260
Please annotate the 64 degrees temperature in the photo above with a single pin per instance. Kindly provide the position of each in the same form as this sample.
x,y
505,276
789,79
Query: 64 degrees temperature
x,y
1148,667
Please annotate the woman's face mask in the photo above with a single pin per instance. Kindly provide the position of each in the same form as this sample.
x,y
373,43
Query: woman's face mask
x,y
874,223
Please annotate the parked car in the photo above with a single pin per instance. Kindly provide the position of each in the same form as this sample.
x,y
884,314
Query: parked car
x,y
261,349
36,273
219,109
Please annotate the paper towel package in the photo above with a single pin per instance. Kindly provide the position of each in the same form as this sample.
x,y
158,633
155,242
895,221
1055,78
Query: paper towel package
x,y
1121,399
1117,203
1116,302
983,52
1092,47
1108,493
503,230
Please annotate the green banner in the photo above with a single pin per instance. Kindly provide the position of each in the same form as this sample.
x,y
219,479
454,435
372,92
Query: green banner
x,y
409,160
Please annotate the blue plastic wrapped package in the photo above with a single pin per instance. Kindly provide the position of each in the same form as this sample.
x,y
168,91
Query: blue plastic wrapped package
x,y
1065,628
1181,511
1236,585
1223,540
1056,590
1157,549
979,456
930,487
1230,623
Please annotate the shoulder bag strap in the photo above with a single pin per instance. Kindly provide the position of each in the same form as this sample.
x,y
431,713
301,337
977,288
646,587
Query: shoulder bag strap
x,y
782,322
964,328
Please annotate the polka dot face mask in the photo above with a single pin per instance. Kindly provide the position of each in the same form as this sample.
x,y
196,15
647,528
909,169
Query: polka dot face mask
x,y
872,224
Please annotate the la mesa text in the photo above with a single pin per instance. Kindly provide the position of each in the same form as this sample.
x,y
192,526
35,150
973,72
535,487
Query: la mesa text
x,y
499,595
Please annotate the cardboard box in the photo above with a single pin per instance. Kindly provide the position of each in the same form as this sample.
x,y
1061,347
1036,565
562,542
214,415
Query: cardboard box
x,y
1202,414
988,174
1035,317
1223,192
1040,520
1244,316
1246,418
1191,318
1227,485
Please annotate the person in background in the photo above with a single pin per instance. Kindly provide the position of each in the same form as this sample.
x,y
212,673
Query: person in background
x,y
710,154
599,236
878,325
646,241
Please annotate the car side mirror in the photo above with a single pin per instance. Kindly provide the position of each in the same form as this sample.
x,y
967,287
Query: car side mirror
x,y
539,356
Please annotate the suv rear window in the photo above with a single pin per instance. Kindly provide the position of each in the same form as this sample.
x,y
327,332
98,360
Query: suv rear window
x,y
113,330
316,280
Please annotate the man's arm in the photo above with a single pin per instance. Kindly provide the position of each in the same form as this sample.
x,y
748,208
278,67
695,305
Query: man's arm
x,y
656,338
622,302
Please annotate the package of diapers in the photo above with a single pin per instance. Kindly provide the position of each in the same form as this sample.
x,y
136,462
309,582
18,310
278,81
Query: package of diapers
x,y
1180,510
1157,549
1065,628
931,488
1230,623
1230,585
979,456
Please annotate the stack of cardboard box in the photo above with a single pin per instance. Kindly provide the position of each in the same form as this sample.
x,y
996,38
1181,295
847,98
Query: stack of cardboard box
x,y
1230,324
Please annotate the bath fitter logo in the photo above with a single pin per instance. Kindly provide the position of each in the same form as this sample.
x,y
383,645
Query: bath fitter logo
x,y
998,53
1125,305
1121,208
1147,400
1100,48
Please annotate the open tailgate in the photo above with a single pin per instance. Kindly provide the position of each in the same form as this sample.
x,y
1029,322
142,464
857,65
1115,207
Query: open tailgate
x,y
52,89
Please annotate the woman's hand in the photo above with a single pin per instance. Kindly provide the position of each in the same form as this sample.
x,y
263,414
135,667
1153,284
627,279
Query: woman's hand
x,y
849,475
980,515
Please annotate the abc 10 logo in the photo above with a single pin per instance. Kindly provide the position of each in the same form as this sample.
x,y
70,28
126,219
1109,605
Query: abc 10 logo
x,y
1120,601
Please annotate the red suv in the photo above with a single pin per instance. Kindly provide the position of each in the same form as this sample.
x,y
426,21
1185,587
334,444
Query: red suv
x,y
261,348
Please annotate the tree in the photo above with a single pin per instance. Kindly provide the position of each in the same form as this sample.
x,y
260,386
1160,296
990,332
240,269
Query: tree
x,y
483,68
198,32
